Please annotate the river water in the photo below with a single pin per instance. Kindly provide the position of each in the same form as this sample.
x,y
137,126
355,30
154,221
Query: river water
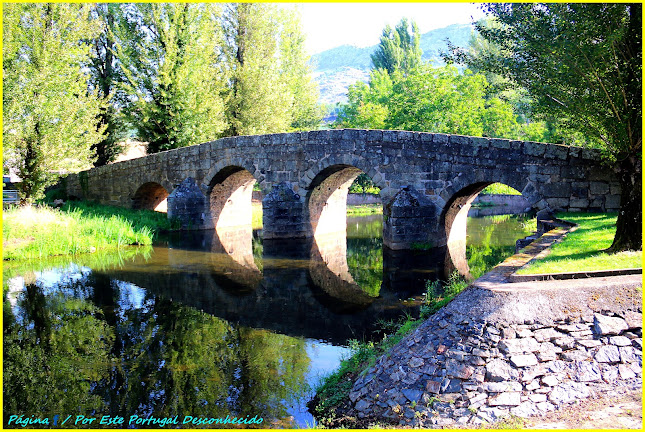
x,y
204,327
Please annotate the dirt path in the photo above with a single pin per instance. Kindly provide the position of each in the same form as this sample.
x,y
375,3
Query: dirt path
x,y
611,412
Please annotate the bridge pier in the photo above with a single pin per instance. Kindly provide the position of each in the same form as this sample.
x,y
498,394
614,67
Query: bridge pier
x,y
410,220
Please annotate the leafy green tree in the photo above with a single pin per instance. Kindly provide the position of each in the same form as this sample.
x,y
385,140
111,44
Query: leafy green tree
x,y
439,100
49,117
106,77
306,113
167,54
398,49
582,64
263,59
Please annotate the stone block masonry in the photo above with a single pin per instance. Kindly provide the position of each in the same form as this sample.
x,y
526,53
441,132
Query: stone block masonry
x,y
427,180
490,355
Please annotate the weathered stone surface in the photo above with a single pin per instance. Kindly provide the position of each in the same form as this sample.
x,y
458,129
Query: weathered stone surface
x,y
568,392
604,325
589,343
575,355
625,372
525,409
627,354
416,362
498,370
524,360
550,380
519,346
457,370
586,371
607,354
546,334
620,341
507,399
433,386
412,395
633,319
502,387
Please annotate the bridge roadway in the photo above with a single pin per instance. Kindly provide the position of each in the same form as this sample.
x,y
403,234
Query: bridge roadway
x,y
427,181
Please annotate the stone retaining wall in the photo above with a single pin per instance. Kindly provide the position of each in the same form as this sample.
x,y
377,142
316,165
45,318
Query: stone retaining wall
x,y
489,355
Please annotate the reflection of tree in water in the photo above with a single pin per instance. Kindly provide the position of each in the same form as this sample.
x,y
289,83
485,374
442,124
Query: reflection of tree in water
x,y
163,359
489,252
53,358
365,262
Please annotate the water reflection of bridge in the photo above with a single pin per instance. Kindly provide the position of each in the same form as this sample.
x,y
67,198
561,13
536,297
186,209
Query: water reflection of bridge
x,y
301,287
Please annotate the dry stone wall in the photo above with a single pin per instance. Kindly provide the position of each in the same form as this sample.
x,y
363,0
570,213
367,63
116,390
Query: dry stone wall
x,y
461,368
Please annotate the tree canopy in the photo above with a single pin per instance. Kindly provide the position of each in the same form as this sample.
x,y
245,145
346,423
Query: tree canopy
x,y
79,79
582,64
398,49
49,117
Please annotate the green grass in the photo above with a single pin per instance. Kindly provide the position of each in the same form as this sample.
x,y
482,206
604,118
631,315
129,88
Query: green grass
x,y
499,189
582,249
38,232
364,209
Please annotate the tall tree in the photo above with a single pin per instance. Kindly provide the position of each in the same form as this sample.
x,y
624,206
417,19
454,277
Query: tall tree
x,y
440,100
49,118
263,58
306,113
106,77
398,49
167,54
581,63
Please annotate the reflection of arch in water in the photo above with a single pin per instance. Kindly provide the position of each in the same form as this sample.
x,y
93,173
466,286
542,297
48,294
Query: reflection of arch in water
x,y
232,259
330,276
455,219
151,196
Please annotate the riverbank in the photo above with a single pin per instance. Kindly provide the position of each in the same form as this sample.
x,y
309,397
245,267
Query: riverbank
x,y
38,232
498,350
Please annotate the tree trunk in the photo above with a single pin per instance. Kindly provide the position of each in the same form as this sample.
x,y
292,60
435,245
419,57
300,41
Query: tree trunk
x,y
629,226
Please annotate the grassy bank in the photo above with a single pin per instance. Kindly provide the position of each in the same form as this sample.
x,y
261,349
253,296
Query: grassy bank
x,y
38,232
364,209
582,249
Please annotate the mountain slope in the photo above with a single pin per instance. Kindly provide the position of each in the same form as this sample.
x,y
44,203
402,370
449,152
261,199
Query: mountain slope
x,y
337,68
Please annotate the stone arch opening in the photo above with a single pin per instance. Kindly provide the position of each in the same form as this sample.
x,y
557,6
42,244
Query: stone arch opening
x,y
454,219
151,196
230,193
327,199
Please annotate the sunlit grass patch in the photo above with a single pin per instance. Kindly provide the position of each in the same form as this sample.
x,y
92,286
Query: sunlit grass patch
x,y
499,189
39,232
364,209
582,249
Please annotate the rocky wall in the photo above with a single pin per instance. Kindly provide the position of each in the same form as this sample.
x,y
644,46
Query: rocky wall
x,y
461,369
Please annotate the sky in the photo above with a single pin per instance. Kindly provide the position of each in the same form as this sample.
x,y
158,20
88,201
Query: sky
x,y
328,25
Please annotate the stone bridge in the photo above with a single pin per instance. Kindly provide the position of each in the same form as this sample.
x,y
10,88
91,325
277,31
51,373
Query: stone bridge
x,y
427,181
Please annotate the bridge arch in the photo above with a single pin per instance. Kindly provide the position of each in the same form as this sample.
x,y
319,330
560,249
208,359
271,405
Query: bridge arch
x,y
327,184
229,196
454,218
151,196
